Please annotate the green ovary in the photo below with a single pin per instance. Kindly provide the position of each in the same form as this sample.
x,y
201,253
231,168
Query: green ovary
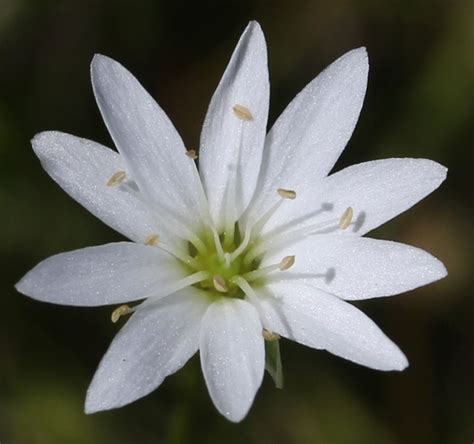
x,y
211,262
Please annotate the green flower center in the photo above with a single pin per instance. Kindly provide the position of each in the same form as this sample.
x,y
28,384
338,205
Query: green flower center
x,y
223,267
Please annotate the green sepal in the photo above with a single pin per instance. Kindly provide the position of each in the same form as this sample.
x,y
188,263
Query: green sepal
x,y
273,362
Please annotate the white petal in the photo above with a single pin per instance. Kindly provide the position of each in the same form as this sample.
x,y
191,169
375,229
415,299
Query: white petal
x,y
316,319
108,274
359,268
156,342
232,355
307,139
231,146
377,191
82,168
147,140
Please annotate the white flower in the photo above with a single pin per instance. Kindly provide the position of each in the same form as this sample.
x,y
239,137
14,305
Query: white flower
x,y
260,242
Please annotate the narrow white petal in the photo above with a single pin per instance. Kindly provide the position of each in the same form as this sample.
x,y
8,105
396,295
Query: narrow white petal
x,y
231,146
316,319
307,139
108,274
156,341
359,268
232,355
377,191
145,137
82,168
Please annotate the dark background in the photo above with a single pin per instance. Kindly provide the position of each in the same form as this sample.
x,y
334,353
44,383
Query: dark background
x,y
419,104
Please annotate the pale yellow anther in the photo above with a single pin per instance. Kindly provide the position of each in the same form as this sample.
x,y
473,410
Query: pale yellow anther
x,y
242,112
346,218
287,262
116,179
192,154
220,284
152,240
287,194
270,336
119,312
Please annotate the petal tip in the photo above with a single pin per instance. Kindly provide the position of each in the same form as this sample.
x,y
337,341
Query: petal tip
x,y
98,59
94,403
89,410
253,26
19,286
254,32
433,171
440,271
39,139
358,55
442,171
399,367
403,364
396,361
100,66
45,141
235,417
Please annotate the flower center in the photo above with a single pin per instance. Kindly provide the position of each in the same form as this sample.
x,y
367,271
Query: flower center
x,y
223,261
226,264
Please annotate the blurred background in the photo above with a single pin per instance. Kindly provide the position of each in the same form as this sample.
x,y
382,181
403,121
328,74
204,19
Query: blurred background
x,y
419,104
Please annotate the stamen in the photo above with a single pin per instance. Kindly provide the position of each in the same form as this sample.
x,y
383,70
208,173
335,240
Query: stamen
x,y
250,293
220,284
188,281
203,204
217,243
242,112
252,296
152,240
287,262
243,244
229,229
173,224
121,311
192,154
346,218
287,194
270,241
260,223
116,179
270,336
178,254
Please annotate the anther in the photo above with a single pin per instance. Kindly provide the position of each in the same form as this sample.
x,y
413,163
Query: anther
x,y
346,218
287,262
116,179
242,112
119,312
192,154
287,194
152,240
270,336
220,284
